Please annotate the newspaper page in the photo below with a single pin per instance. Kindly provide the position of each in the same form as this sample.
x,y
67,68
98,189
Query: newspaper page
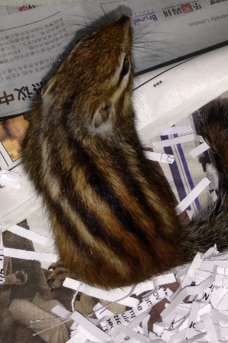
x,y
28,50
32,41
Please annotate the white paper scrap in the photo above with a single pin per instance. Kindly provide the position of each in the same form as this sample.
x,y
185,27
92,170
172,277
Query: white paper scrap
x,y
177,337
144,287
168,312
134,324
212,264
145,323
154,282
178,130
159,328
199,188
211,252
177,140
134,335
89,327
78,338
30,255
218,296
126,317
158,157
199,150
193,314
113,295
197,338
164,279
189,277
101,311
192,319
210,329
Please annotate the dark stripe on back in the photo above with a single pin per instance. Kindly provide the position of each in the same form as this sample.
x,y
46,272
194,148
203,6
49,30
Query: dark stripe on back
x,y
104,189
72,233
134,186
87,216
100,184
160,187
66,223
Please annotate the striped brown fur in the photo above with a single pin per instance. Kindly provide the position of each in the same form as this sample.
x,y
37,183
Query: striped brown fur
x,y
112,211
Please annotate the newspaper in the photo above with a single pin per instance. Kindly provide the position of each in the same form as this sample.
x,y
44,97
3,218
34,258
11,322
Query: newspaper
x,y
32,41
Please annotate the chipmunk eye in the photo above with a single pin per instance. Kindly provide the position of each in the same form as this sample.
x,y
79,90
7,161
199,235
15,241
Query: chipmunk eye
x,y
125,67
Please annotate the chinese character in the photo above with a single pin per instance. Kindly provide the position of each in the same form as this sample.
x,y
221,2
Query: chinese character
x,y
37,87
167,12
23,93
6,98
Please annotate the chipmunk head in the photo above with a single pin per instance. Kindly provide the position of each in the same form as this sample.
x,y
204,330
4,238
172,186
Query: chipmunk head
x,y
94,82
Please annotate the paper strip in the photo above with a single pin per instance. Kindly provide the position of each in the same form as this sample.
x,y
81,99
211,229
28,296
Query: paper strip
x,y
162,158
197,338
145,323
183,205
179,130
211,252
189,276
192,319
116,330
126,317
101,311
199,150
182,294
30,255
28,234
90,327
144,287
211,332
157,281
204,310
176,140
112,295
134,335
164,279
78,337
210,265
217,297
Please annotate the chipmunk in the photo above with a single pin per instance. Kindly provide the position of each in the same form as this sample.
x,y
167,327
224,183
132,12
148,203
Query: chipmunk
x,y
112,210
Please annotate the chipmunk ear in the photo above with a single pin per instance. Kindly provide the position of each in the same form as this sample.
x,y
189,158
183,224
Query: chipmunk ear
x,y
102,119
